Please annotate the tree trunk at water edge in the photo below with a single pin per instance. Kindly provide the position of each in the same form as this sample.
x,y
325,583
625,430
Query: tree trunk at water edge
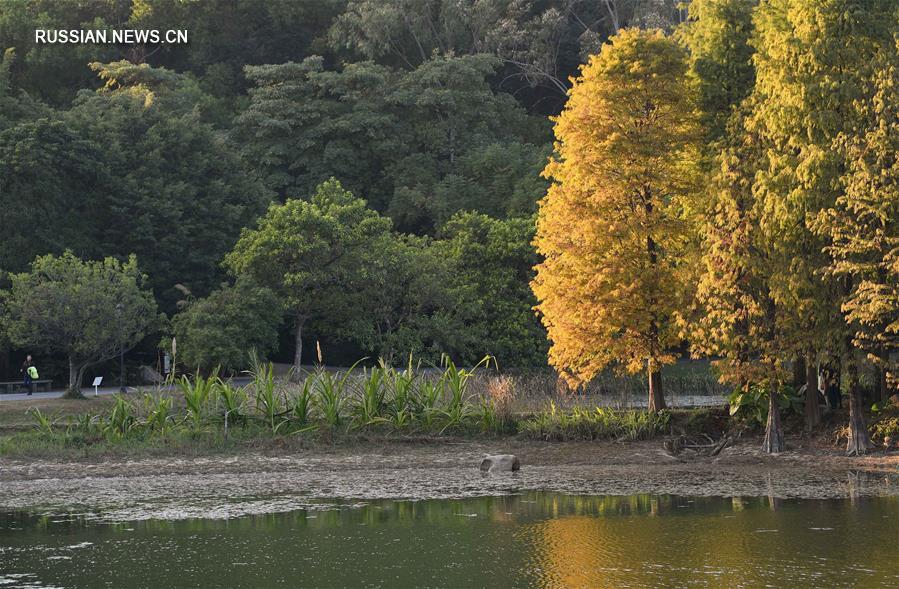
x,y
812,408
859,440
656,392
774,437
799,366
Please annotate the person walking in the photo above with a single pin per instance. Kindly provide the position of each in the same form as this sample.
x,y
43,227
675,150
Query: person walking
x,y
29,374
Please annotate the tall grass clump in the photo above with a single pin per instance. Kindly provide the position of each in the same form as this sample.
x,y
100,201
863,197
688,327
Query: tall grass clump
x,y
455,383
232,401
369,402
197,393
495,406
301,403
267,396
599,423
158,411
121,420
330,395
42,422
403,399
430,393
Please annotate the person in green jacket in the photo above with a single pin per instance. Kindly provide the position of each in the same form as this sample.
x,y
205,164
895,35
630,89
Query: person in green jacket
x,y
29,374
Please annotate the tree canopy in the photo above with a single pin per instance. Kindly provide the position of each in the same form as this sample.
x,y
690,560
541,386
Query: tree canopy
x,y
89,311
315,256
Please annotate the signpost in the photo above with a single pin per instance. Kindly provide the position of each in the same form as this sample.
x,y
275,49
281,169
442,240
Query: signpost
x,y
97,381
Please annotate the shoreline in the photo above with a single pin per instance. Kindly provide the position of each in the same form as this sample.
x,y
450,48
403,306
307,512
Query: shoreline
x,y
246,483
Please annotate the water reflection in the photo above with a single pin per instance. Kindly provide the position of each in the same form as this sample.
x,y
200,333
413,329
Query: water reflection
x,y
528,540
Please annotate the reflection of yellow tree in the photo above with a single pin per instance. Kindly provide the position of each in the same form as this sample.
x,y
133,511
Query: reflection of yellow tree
x,y
584,545
612,541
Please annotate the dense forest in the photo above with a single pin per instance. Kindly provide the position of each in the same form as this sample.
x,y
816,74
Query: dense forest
x,y
433,113
589,183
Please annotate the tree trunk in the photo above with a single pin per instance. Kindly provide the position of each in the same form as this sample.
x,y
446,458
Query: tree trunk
x,y
656,393
859,441
799,367
76,373
774,437
812,409
298,354
881,392
832,388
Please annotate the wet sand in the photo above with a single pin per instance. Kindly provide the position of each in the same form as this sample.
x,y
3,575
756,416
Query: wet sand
x,y
253,483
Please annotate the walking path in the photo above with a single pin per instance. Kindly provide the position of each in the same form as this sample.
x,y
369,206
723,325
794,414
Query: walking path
x,y
89,391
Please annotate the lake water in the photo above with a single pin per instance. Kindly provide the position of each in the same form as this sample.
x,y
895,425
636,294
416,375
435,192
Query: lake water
x,y
530,540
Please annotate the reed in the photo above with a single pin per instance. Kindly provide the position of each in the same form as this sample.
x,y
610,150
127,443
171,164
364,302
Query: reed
x,y
596,424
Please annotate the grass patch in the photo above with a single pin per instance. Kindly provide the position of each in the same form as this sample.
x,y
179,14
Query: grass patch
x,y
600,423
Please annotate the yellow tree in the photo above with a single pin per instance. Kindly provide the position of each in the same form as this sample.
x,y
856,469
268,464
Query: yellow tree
x,y
864,223
611,228
815,63
732,316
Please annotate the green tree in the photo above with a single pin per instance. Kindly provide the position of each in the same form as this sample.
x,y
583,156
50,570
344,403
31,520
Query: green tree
x,y
49,176
315,256
448,117
89,311
864,223
412,305
541,44
55,73
732,315
717,35
419,145
305,124
225,35
15,106
175,184
492,264
220,330
610,228
805,51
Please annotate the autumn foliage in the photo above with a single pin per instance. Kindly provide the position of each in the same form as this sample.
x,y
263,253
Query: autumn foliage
x,y
611,228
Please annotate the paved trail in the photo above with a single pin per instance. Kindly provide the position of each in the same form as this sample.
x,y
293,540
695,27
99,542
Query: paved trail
x,y
89,391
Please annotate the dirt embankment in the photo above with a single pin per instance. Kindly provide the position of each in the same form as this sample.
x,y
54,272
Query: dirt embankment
x,y
228,486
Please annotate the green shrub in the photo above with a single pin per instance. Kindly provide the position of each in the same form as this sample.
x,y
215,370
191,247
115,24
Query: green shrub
x,y
887,427
216,332
752,406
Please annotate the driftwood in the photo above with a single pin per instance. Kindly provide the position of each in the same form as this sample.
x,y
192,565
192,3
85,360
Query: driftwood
x,y
678,444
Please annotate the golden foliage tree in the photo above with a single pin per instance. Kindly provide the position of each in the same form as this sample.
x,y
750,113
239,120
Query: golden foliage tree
x,y
815,62
864,223
732,316
611,228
